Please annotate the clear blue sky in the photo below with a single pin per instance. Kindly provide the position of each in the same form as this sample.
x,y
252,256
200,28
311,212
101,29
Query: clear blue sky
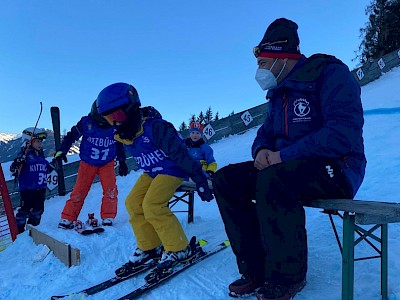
x,y
182,56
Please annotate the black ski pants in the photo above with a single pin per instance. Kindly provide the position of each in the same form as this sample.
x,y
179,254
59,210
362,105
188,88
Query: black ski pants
x,y
32,208
264,217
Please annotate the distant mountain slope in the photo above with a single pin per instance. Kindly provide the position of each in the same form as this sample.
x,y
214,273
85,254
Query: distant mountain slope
x,y
9,149
5,137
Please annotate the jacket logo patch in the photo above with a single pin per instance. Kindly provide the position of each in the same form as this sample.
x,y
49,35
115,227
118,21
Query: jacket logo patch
x,y
301,110
301,107
329,170
146,139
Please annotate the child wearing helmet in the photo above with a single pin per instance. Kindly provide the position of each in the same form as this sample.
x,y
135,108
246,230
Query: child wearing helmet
x,y
98,149
30,167
159,150
200,150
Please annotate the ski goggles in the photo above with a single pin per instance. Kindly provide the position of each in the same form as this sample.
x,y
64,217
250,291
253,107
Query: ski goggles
x,y
115,117
256,51
40,136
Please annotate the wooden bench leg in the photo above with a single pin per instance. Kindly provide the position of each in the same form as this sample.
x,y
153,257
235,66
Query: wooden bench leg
x,y
384,261
348,256
189,202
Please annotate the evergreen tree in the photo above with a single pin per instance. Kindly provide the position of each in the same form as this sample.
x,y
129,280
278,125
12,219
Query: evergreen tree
x,y
200,118
382,33
183,126
216,118
192,119
208,116
232,113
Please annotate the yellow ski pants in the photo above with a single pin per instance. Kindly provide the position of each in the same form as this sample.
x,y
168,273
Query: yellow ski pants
x,y
152,221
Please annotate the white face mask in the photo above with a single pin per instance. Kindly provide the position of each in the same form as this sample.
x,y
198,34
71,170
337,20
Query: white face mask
x,y
265,79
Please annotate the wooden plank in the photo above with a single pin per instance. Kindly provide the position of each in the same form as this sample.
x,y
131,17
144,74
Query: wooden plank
x,y
68,255
369,219
367,212
190,186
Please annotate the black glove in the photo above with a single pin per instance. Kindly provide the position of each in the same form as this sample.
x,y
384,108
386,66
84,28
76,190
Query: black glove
x,y
14,168
203,190
123,168
210,174
18,162
61,155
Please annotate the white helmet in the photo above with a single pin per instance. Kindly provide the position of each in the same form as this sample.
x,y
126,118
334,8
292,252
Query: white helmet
x,y
34,133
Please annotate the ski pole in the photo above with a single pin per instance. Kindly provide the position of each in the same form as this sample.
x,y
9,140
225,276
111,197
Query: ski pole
x,y
30,140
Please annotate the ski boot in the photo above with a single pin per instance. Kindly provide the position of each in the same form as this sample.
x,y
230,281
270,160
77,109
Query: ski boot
x,y
170,260
140,259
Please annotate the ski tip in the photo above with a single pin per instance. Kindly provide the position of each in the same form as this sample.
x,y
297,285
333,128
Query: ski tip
x,y
227,243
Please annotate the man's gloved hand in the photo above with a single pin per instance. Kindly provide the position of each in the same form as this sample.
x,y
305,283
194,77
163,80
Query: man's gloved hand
x,y
202,187
123,168
61,155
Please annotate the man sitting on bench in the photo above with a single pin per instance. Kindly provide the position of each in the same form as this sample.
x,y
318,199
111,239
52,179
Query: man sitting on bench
x,y
310,146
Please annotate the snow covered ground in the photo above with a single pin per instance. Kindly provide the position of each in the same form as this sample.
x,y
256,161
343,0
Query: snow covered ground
x,y
22,278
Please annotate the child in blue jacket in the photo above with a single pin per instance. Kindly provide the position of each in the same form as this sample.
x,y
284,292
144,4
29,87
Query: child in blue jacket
x,y
31,169
158,149
200,150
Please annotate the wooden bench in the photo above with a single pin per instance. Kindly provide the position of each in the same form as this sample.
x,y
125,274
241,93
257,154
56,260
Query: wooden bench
x,y
185,193
353,213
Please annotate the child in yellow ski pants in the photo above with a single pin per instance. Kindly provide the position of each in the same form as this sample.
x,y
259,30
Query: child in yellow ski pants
x,y
152,220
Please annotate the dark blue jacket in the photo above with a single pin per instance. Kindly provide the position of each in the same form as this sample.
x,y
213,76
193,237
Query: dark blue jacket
x,y
34,170
316,112
159,149
98,146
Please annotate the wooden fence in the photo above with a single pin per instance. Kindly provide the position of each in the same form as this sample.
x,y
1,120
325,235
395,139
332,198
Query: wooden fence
x,y
70,175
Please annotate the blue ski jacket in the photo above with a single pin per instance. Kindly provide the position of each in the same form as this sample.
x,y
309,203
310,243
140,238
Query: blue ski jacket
x,y
316,111
159,149
202,152
98,146
34,170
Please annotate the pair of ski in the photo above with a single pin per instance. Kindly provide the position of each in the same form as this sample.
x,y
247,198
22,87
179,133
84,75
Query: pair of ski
x,y
157,277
